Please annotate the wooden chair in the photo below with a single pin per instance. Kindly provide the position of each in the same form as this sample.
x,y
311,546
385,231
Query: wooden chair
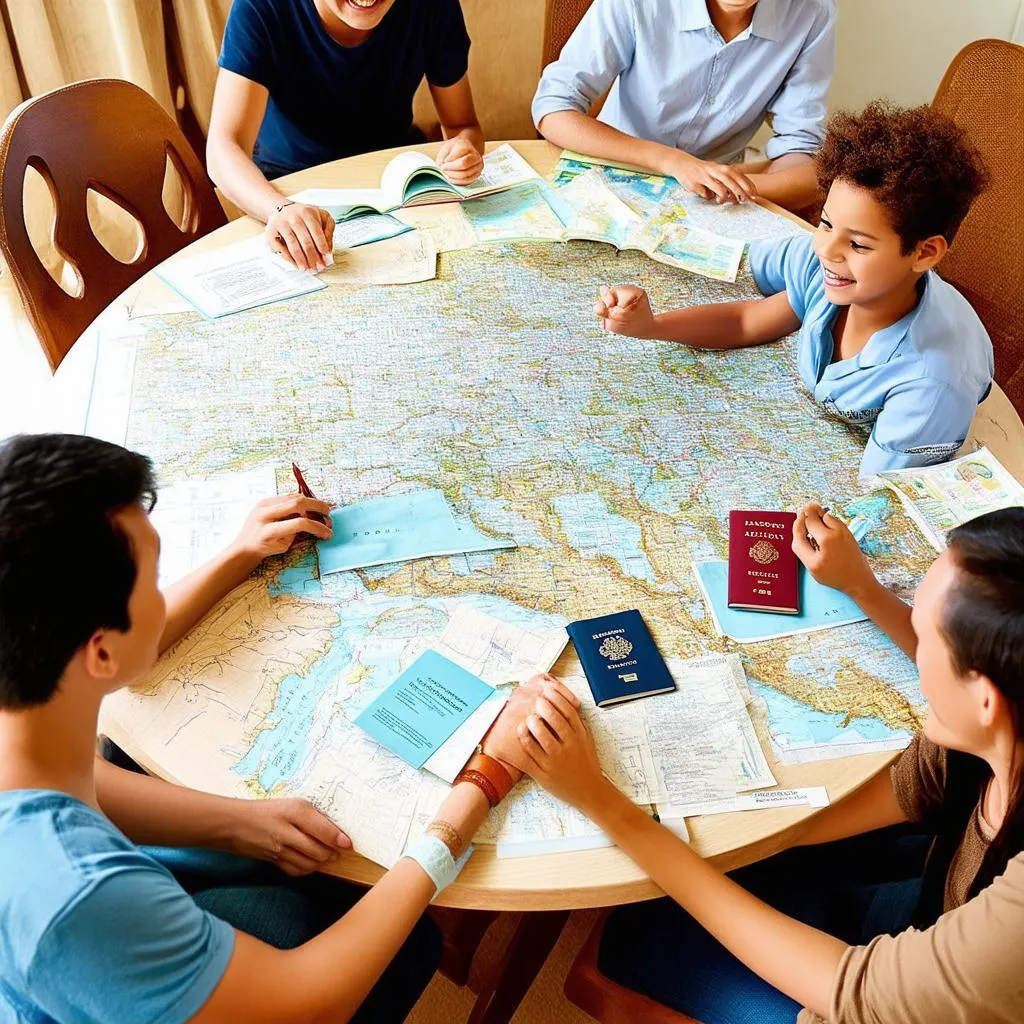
x,y
983,90
560,21
605,1000
111,137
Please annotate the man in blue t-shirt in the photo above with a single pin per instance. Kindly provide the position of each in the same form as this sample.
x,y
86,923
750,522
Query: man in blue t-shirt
x,y
93,928
303,82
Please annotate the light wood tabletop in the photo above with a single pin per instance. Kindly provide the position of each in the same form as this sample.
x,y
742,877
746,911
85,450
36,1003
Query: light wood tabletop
x,y
605,876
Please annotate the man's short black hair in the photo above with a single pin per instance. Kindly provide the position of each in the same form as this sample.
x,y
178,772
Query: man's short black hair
x,y
66,568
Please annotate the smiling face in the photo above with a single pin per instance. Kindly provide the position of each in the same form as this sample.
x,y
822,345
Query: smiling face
x,y
359,15
860,252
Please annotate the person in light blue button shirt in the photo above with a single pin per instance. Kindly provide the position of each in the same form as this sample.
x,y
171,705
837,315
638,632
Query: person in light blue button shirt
x,y
693,82
883,341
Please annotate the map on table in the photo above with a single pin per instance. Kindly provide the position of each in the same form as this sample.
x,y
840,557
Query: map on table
x,y
612,462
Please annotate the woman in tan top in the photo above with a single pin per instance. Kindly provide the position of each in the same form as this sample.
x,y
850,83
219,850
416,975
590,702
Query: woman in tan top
x,y
858,931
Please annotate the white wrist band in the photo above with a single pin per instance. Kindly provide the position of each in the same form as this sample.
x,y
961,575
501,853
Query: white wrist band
x,y
436,859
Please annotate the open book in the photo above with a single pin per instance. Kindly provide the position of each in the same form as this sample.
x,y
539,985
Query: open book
x,y
586,209
414,179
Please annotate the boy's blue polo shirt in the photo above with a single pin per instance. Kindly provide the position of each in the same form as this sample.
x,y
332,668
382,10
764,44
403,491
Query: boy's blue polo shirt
x,y
329,101
91,929
917,383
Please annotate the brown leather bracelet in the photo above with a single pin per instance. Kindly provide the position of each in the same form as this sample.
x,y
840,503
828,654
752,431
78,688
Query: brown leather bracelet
x,y
489,775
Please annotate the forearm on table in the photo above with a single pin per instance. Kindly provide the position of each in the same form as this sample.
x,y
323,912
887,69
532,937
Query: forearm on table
x,y
234,173
152,812
327,978
191,598
888,612
790,180
871,806
471,132
372,932
793,957
572,130
721,325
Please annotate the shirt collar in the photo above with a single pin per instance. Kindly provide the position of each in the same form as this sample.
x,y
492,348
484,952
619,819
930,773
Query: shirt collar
x,y
883,344
694,17
765,23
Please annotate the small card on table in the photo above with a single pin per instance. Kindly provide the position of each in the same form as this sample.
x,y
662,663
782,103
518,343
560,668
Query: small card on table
x,y
423,707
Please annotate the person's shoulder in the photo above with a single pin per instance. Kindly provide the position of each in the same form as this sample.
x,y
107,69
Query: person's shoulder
x,y
948,336
264,17
53,849
807,11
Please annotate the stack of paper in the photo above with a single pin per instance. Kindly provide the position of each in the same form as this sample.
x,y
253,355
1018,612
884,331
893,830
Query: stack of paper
x,y
399,528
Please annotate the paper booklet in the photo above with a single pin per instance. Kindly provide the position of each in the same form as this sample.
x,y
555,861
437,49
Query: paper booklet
x,y
939,498
415,179
586,209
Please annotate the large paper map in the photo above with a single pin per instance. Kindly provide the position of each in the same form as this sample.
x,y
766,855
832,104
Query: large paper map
x,y
612,462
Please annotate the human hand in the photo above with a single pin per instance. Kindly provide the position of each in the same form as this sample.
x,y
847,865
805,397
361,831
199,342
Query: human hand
x,y
274,524
626,309
290,833
557,750
830,551
460,161
303,234
502,739
718,182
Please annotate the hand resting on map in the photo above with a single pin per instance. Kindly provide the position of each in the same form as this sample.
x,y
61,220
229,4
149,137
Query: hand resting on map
x,y
557,750
502,739
626,309
276,523
289,832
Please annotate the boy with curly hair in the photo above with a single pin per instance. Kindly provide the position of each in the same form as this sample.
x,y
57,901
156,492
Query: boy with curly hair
x,y
884,341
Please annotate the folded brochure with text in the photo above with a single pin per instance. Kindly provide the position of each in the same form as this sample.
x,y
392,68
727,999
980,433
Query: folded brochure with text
x,y
399,528
423,707
414,179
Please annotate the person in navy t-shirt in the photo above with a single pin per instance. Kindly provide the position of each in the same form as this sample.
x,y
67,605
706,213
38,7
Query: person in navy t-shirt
x,y
303,82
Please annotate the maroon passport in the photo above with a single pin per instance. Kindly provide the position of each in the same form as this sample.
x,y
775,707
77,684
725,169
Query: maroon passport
x,y
764,574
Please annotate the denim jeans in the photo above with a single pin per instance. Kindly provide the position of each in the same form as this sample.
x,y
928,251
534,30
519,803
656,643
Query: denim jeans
x,y
854,889
285,912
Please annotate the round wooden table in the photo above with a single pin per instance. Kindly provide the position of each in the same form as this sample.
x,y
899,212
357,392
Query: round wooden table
x,y
603,877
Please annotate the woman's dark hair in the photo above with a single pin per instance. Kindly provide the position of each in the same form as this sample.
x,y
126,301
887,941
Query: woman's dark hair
x,y
983,623
66,567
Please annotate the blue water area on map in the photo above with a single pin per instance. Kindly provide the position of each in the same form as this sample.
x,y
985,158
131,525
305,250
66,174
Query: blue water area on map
x,y
298,580
876,508
282,744
820,607
798,725
592,529
284,740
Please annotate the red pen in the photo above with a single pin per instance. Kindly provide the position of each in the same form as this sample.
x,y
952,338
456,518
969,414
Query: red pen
x,y
306,492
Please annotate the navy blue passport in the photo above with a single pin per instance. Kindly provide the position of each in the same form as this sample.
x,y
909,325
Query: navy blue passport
x,y
620,658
